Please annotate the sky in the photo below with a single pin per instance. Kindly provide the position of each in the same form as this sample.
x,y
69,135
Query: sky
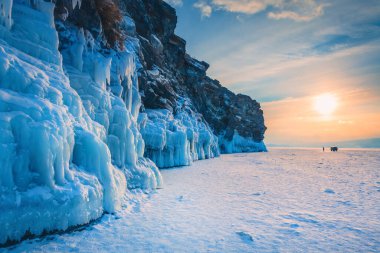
x,y
288,53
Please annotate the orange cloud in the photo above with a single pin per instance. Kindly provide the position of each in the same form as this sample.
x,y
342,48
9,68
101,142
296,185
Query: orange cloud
x,y
296,9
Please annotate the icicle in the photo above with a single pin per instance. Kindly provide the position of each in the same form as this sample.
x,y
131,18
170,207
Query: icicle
x,y
90,41
76,3
77,50
6,13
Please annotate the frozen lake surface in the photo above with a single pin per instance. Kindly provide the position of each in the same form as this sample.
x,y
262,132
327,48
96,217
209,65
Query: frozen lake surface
x,y
287,200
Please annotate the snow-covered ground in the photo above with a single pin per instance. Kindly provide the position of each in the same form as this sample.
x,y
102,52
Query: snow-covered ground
x,y
287,200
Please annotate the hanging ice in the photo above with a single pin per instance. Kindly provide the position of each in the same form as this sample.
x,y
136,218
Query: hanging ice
x,y
6,13
64,157
239,144
177,141
108,87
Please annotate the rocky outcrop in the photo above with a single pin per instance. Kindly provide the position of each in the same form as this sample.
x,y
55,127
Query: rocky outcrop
x,y
169,80
93,91
228,114
185,115
236,120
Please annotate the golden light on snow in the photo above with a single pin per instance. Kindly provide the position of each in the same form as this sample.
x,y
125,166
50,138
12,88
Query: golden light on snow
x,y
325,104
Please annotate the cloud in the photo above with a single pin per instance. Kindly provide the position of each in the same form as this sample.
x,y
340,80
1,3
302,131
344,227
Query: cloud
x,y
290,15
285,64
298,10
174,2
205,8
316,73
246,6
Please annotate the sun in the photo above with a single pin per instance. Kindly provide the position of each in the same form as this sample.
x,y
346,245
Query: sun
x,y
325,104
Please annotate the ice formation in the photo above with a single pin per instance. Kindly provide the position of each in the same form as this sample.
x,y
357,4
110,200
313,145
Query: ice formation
x,y
73,134
108,87
169,76
6,13
239,144
177,141
68,144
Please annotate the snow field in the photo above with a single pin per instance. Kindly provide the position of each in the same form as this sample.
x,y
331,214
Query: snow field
x,y
287,200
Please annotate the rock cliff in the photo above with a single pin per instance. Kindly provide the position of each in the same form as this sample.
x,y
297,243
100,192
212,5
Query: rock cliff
x,y
94,96
185,115
172,80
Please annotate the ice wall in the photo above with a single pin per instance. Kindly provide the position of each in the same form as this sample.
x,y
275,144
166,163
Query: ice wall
x,y
177,140
108,87
68,144
239,144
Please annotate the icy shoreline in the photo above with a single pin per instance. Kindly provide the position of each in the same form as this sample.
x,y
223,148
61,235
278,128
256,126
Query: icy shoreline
x,y
287,200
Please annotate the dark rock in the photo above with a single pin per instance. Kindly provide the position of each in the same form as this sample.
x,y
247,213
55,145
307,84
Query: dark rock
x,y
185,76
168,75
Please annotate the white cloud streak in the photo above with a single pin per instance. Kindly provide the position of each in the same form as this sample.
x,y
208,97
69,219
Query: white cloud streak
x,y
246,6
204,8
297,10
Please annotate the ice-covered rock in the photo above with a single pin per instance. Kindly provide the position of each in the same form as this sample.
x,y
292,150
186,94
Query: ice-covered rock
x,y
108,87
83,117
177,140
239,144
68,144
6,13
168,74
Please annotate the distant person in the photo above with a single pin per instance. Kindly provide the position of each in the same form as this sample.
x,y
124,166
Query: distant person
x,y
323,149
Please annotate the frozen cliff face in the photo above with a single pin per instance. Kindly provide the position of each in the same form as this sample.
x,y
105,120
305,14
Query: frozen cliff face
x,y
169,74
177,140
69,140
92,93
236,119
174,133
108,87
166,77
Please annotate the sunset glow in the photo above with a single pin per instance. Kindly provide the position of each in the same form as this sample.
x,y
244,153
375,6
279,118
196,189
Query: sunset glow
x,y
315,76
325,104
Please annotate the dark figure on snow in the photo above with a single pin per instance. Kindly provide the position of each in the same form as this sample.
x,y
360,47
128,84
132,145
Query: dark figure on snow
x,y
334,149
